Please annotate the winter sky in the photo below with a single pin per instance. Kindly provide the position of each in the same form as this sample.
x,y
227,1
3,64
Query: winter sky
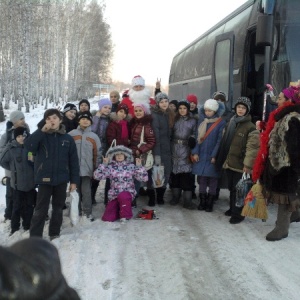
x,y
147,34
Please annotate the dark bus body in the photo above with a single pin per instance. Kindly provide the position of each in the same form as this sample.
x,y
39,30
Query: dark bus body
x,y
258,43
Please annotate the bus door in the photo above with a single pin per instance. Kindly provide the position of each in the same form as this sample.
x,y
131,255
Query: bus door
x,y
222,75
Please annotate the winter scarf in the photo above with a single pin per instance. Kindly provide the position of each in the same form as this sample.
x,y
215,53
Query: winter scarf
x,y
202,128
124,129
261,158
227,139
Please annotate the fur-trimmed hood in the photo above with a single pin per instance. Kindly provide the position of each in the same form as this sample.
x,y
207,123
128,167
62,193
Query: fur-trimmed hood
x,y
120,150
287,110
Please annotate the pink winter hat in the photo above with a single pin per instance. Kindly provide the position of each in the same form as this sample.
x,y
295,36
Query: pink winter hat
x,y
138,80
145,108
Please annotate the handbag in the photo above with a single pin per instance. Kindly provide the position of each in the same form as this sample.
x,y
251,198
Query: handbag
x,y
158,176
74,211
242,189
147,158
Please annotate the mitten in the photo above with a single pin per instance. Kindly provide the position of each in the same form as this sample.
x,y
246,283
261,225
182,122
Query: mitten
x,y
157,160
192,142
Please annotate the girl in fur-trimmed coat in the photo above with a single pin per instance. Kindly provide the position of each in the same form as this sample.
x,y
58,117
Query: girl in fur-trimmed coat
x,y
119,168
183,140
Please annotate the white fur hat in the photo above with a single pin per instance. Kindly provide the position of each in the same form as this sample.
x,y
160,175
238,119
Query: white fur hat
x,y
138,80
211,104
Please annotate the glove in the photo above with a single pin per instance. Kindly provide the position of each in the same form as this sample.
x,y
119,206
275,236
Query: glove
x,y
192,142
157,160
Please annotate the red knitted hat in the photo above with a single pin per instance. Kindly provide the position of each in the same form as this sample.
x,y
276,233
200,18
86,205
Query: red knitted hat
x,y
192,98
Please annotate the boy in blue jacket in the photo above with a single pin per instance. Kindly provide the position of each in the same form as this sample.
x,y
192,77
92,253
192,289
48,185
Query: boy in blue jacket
x,y
56,164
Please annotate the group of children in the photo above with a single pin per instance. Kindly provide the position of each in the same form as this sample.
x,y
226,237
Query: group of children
x,y
76,149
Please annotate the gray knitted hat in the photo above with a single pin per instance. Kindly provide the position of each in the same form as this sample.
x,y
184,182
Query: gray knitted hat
x,y
161,96
15,116
120,150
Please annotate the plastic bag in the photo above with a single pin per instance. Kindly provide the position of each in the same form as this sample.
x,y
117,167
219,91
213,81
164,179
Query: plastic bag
x,y
242,188
147,160
74,211
158,176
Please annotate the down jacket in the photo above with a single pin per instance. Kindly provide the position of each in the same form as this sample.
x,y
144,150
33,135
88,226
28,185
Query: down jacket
x,y
121,175
135,130
15,158
88,149
56,159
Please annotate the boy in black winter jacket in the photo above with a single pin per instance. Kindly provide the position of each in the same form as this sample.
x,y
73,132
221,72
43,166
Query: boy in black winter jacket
x,y
17,159
56,163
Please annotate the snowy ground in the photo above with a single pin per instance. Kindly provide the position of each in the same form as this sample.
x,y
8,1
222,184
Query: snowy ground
x,y
182,255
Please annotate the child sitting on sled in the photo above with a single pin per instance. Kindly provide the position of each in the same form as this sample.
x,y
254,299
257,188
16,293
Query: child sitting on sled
x,y
118,166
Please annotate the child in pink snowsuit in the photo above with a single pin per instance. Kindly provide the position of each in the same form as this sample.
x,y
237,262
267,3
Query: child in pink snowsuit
x,y
118,166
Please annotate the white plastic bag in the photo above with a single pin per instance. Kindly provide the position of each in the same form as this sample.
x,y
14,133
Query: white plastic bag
x,y
74,211
158,176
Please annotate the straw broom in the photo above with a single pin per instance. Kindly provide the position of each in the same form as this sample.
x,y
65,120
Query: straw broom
x,y
255,203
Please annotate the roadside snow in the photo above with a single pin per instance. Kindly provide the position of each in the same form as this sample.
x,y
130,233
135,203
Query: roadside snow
x,y
182,255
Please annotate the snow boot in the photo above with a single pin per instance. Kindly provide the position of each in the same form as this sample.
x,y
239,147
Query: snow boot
x,y
232,200
295,216
151,195
202,204
176,193
160,195
281,229
187,200
210,203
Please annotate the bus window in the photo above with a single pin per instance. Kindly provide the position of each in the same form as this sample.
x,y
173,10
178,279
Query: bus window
x,y
222,66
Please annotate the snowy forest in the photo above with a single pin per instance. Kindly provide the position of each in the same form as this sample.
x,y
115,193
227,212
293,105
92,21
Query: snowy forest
x,y
52,50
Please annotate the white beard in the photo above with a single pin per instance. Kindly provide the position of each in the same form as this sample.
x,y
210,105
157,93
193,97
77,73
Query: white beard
x,y
140,97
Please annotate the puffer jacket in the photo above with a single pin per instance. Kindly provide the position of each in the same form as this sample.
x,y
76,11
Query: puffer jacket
x,y
7,137
15,158
135,130
99,127
244,146
88,149
56,159
184,128
121,175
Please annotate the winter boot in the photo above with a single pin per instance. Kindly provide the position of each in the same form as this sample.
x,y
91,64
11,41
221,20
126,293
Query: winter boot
x,y
202,204
210,203
187,200
151,195
281,229
232,200
176,193
160,195
295,216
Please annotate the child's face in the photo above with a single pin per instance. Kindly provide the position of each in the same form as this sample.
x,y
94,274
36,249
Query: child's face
x,y
192,105
84,123
182,110
209,113
19,123
139,112
71,114
83,107
121,114
241,110
163,104
172,106
120,157
20,139
54,121
105,110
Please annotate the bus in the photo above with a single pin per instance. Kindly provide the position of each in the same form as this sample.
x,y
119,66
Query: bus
x,y
258,43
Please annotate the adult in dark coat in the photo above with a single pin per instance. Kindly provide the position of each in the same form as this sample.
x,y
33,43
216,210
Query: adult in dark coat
x,y
162,124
